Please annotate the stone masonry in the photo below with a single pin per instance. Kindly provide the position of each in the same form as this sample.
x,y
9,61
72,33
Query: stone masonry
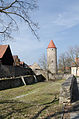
x,y
52,58
69,91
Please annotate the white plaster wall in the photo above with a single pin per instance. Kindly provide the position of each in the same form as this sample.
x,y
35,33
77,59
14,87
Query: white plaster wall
x,y
74,71
78,71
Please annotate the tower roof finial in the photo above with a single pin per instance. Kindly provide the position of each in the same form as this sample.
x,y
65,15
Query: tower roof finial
x,y
51,44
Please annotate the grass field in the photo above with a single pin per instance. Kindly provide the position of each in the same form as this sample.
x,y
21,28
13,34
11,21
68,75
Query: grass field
x,y
37,101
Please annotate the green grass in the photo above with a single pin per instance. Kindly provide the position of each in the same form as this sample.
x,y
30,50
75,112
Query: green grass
x,y
35,101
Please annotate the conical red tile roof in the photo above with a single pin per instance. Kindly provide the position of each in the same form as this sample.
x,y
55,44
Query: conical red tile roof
x,y
51,44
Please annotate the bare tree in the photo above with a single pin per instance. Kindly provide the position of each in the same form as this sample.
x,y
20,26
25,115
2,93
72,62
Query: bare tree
x,y
11,10
68,57
43,62
62,62
72,53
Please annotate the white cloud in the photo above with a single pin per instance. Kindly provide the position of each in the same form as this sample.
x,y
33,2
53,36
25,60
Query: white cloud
x,y
67,20
68,17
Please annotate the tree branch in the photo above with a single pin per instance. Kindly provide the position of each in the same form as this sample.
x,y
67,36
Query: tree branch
x,y
2,11
21,9
10,5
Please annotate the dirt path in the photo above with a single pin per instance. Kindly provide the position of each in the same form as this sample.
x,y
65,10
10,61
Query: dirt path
x,y
71,112
26,94
34,91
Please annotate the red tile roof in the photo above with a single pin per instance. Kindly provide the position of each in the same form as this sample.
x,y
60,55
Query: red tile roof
x,y
3,49
76,63
51,44
77,59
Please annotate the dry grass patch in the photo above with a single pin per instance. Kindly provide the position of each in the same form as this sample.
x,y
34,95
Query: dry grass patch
x,y
35,101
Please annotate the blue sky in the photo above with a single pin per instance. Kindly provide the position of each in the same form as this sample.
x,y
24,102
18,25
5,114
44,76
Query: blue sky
x,y
58,21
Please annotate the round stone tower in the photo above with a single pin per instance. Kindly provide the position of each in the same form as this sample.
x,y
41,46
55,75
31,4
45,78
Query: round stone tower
x,y
52,58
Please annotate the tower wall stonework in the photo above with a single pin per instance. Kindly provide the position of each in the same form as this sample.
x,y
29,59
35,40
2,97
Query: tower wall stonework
x,y
52,60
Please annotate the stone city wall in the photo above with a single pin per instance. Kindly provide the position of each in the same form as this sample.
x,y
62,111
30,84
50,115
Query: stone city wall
x,y
20,81
49,76
58,76
14,71
41,72
69,91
